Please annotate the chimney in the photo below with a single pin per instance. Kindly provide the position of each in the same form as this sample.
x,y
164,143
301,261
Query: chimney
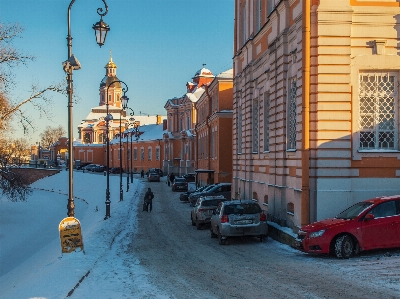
x,y
164,127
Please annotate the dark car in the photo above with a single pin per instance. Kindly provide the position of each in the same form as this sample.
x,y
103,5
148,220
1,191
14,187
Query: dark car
x,y
116,170
185,195
218,189
369,224
99,168
179,184
189,177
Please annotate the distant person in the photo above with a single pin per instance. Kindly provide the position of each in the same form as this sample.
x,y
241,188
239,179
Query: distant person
x,y
172,177
168,180
148,199
142,174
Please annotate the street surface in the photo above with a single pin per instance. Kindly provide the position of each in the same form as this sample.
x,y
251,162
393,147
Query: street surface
x,y
184,262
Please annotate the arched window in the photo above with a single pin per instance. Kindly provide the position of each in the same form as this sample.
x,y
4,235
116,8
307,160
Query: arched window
x,y
255,196
290,208
86,138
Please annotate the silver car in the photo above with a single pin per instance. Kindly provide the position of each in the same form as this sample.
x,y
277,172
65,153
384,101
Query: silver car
x,y
238,218
203,209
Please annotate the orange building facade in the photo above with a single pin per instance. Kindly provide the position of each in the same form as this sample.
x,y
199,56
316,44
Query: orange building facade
x,y
214,131
316,105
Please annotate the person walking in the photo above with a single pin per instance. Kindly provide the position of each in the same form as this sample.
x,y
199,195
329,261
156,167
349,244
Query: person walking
x,y
142,174
148,199
172,177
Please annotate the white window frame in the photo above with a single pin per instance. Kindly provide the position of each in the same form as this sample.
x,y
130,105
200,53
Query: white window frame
x,y
255,126
369,122
291,122
266,121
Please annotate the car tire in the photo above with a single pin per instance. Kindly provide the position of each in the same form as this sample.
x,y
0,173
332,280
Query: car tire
x,y
221,240
212,233
344,247
198,225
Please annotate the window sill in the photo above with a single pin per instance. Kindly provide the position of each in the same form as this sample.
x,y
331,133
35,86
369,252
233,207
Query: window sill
x,y
378,151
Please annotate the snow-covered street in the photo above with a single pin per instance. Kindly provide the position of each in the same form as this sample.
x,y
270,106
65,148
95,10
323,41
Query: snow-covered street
x,y
135,254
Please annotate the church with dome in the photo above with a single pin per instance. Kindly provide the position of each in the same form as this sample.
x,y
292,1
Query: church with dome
x,y
92,129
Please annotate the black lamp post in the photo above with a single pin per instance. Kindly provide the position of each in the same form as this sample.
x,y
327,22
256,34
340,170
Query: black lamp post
x,y
127,152
101,30
108,118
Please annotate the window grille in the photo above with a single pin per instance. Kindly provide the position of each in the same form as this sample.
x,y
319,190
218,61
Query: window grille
x,y
149,154
378,106
291,122
135,154
142,154
255,125
158,154
266,122
239,131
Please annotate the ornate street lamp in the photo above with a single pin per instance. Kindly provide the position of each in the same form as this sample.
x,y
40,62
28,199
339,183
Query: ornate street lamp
x,y
69,65
124,99
127,153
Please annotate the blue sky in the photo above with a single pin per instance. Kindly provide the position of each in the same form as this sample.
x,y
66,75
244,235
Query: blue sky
x,y
158,45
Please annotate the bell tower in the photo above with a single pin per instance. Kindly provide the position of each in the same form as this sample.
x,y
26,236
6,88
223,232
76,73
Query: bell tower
x,y
114,90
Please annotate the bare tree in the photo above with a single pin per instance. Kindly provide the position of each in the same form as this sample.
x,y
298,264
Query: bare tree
x,y
12,184
12,109
51,135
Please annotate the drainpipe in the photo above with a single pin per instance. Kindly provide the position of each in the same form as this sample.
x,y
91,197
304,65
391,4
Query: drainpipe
x,y
209,133
305,156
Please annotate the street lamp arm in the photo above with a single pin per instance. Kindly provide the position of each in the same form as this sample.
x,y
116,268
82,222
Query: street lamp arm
x,y
100,10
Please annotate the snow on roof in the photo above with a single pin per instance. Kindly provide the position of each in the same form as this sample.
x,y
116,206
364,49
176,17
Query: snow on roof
x,y
204,73
149,133
226,74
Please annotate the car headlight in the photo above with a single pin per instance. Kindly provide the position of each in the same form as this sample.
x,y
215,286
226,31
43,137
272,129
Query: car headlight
x,y
317,234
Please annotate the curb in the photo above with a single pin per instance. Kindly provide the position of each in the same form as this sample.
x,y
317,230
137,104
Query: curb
x,y
279,234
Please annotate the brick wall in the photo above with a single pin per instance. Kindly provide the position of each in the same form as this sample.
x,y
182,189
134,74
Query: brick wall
x,y
31,175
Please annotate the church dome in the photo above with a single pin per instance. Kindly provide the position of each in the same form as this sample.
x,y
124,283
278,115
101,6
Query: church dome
x,y
107,80
204,73
110,64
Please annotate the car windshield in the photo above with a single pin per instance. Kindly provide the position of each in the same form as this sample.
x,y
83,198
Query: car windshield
x,y
242,208
354,210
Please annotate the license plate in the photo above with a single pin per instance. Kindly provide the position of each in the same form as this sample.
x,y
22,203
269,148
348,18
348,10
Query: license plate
x,y
244,221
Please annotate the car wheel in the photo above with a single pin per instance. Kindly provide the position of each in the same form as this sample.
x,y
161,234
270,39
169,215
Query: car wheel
x,y
198,225
212,233
221,240
344,247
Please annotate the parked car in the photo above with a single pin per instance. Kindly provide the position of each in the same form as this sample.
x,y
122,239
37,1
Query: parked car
x,y
203,210
91,167
197,192
156,170
238,218
369,224
218,189
179,184
116,170
185,195
153,177
189,177
99,168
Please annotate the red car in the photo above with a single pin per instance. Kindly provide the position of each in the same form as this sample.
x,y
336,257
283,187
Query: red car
x,y
369,224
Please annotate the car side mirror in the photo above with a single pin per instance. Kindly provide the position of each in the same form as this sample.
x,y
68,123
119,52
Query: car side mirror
x,y
369,217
